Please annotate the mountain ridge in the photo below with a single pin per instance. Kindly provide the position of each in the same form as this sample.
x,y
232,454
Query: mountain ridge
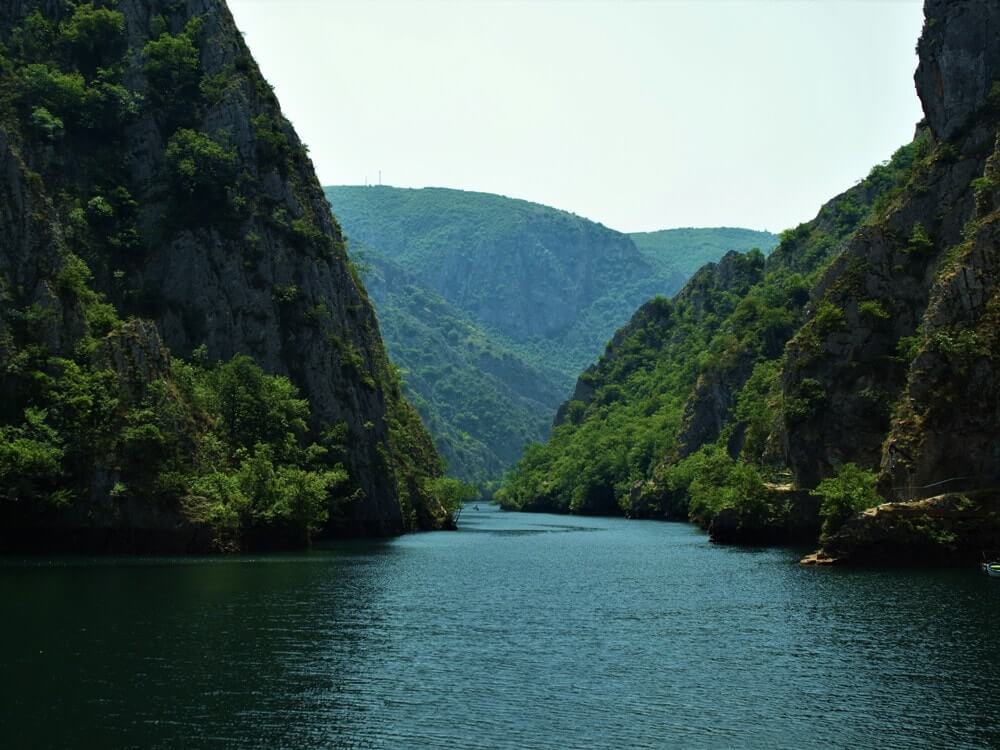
x,y
495,260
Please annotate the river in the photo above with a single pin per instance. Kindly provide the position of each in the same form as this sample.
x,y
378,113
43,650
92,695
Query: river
x,y
518,631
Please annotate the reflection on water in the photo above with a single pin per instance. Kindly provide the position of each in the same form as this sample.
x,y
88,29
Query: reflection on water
x,y
518,631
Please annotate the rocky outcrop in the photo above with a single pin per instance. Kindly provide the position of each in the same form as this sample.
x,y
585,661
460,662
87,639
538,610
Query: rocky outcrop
x,y
31,255
708,409
265,300
931,366
845,368
949,409
953,529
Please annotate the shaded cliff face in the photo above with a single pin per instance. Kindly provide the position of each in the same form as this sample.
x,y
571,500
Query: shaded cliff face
x,y
653,328
624,412
160,157
32,256
950,406
761,330
951,403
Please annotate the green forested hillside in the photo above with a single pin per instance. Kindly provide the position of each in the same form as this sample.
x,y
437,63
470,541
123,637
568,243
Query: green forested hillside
x,y
553,284
456,274
481,401
690,382
687,249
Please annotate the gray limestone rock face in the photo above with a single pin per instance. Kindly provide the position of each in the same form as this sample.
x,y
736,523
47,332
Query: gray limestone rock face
x,y
262,273
255,289
881,286
912,361
959,54
31,247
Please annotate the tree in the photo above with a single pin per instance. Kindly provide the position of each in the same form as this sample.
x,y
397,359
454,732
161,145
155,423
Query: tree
x,y
450,492
172,65
199,168
849,492
94,36
258,408
31,456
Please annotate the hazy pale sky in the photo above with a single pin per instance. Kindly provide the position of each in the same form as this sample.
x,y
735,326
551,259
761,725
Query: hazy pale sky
x,y
640,115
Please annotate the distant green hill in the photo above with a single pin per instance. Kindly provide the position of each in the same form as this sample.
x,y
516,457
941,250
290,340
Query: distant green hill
x,y
688,249
481,401
555,284
492,305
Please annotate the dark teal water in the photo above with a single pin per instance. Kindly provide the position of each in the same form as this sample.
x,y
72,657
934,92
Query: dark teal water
x,y
519,631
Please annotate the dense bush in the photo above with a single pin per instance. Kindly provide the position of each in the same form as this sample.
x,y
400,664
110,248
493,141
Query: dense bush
x,y
110,105
450,492
850,491
47,125
54,96
31,457
256,408
273,147
34,40
172,64
199,168
63,94
94,36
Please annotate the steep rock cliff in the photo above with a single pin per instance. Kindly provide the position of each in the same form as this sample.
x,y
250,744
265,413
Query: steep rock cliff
x,y
705,297
695,374
624,412
900,349
156,152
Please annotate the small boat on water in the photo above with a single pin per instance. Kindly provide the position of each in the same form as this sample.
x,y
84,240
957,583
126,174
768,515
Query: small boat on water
x,y
992,569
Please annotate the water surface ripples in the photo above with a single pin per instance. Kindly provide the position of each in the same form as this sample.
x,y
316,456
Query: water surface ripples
x,y
517,632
